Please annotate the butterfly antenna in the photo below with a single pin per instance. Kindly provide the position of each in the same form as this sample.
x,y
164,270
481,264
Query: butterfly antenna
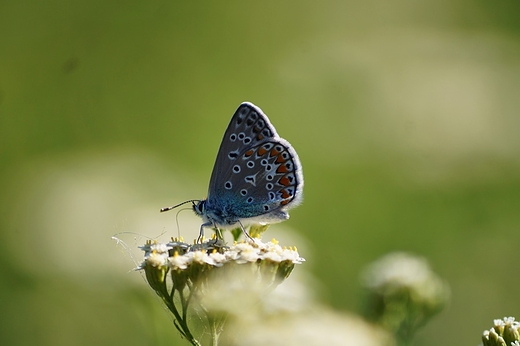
x,y
178,205
177,221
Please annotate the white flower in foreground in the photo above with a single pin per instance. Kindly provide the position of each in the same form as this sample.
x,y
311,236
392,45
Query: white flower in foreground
x,y
244,253
313,327
217,280
505,332
178,262
217,259
156,260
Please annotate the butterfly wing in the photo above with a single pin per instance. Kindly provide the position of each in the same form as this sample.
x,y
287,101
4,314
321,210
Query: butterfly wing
x,y
256,172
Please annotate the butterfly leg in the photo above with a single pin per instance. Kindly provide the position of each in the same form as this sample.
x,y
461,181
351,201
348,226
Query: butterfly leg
x,y
201,233
244,231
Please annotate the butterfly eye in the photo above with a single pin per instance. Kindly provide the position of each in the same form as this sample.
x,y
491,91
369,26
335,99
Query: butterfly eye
x,y
198,208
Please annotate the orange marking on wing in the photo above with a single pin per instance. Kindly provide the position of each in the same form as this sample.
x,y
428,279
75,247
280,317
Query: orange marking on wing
x,y
285,201
285,194
282,169
280,159
260,137
249,152
284,181
262,151
274,152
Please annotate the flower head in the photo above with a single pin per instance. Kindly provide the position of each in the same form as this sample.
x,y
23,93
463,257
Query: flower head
x,y
217,280
505,332
402,293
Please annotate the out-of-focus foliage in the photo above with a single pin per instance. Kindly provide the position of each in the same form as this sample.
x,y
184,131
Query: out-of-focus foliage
x,y
404,115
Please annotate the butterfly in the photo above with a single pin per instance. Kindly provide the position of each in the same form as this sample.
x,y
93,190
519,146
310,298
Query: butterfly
x,y
256,179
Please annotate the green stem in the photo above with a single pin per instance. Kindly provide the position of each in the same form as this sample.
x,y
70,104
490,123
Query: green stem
x,y
216,325
180,322
215,333
214,336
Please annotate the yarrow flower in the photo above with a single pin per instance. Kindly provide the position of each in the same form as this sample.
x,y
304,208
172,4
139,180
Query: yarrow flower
x,y
402,293
190,278
505,332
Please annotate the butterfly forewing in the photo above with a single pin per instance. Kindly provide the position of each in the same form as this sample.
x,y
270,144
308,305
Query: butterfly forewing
x,y
243,132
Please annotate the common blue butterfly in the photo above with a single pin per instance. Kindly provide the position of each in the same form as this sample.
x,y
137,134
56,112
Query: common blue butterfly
x,y
257,175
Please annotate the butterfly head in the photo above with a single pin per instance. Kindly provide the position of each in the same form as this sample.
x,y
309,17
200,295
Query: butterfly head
x,y
200,207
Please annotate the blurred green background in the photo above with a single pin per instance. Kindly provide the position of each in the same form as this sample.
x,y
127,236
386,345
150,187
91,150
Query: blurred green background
x,y
404,114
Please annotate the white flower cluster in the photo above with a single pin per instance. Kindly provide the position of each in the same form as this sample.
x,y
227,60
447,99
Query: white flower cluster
x,y
160,254
506,321
156,254
504,332
399,270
